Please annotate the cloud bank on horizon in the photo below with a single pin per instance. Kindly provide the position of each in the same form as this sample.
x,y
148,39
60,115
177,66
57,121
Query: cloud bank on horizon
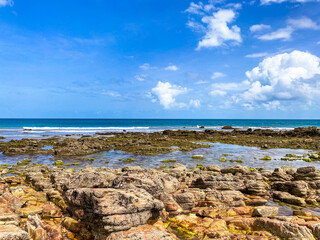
x,y
210,59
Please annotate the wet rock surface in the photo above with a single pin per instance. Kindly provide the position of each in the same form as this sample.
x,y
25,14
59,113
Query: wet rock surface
x,y
42,202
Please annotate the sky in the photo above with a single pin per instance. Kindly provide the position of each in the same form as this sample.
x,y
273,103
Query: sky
x,y
160,59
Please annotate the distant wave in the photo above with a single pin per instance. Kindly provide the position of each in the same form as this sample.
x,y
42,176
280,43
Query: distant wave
x,y
81,129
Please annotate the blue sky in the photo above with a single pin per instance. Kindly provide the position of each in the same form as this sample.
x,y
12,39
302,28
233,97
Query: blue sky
x,y
160,59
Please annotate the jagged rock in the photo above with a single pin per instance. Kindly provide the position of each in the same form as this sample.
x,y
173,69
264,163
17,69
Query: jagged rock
x,y
40,230
114,209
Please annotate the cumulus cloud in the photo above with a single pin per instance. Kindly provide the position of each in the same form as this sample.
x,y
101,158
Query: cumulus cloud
x,y
217,31
4,3
265,2
292,26
216,75
259,27
281,81
215,23
172,68
167,93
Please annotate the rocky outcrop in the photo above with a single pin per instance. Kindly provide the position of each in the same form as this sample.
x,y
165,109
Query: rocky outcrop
x,y
113,209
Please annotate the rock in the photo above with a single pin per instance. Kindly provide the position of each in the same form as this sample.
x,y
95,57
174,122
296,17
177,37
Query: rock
x,y
288,198
297,188
228,195
212,168
227,127
257,188
307,173
29,210
114,209
185,199
84,179
284,230
264,211
40,230
71,224
153,182
9,218
235,169
51,211
144,232
219,183
11,232
289,170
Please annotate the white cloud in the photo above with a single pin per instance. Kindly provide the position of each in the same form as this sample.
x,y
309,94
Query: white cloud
x,y
231,86
292,25
167,94
318,42
281,81
140,77
172,68
303,23
257,55
146,66
282,33
217,31
195,8
4,3
265,2
259,27
195,103
217,92
216,75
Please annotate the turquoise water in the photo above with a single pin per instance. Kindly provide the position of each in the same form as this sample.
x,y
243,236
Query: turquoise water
x,y
27,128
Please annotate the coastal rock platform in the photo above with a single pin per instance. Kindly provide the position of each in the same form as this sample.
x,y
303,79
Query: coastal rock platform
x,y
43,202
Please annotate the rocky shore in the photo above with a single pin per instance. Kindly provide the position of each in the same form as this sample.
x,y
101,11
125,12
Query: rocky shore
x,y
43,202
162,142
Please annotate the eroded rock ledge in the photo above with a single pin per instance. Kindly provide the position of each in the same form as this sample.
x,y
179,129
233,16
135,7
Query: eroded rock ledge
x,y
43,202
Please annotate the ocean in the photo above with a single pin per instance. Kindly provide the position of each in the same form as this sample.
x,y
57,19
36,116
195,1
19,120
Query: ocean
x,y
37,128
